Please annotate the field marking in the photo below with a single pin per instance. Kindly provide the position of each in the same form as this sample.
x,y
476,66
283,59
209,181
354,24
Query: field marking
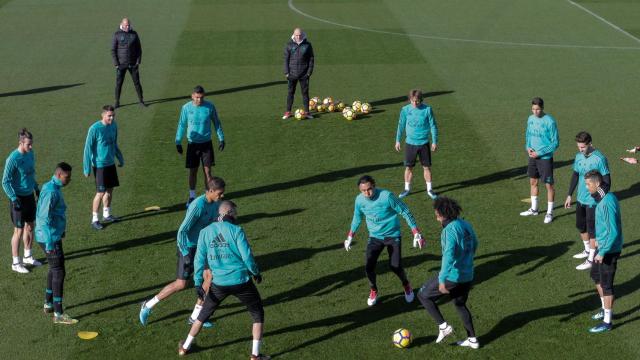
x,y
604,21
476,41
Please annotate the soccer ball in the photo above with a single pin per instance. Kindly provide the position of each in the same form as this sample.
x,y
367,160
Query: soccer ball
x,y
312,104
365,108
320,107
348,113
357,106
299,114
327,101
402,338
340,106
331,107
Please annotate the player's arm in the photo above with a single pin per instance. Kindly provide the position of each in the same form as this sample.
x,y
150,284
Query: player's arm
x,y
311,61
610,231
355,224
434,127
139,48
527,139
218,126
190,220
7,179
447,255
182,126
603,167
114,49
287,56
554,141
402,209
200,259
118,152
89,147
402,123
573,183
44,212
245,253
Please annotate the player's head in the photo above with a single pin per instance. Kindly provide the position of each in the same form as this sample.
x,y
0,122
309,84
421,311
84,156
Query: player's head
x,y
228,210
63,173
108,114
197,95
537,106
367,186
298,35
446,209
216,189
592,181
25,141
415,97
125,25
583,140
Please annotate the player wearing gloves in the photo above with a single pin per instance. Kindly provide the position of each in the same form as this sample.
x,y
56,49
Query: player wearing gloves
x,y
223,247
380,209
459,245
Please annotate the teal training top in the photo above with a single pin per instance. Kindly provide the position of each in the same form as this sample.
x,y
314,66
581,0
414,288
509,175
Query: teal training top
x,y
542,136
19,177
101,147
419,123
226,250
381,214
608,225
199,215
51,219
196,120
459,244
582,165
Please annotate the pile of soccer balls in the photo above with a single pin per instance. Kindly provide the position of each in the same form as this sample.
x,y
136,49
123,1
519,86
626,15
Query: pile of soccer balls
x,y
329,105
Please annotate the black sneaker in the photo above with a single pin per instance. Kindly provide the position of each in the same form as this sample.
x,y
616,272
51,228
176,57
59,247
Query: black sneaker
x,y
96,225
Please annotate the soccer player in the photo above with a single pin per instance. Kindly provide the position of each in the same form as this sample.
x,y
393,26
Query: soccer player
x,y
380,209
51,222
19,183
100,151
588,158
418,121
609,240
195,118
201,212
459,244
223,247
298,67
541,141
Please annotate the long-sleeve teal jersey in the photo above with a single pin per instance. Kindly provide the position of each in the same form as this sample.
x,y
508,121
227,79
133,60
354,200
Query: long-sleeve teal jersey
x,y
381,214
419,123
608,225
542,136
51,219
101,147
196,121
582,165
224,247
19,177
459,244
199,215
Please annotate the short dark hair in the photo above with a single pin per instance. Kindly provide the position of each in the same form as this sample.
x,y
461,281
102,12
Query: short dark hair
x,y
198,89
64,167
594,175
538,101
366,179
25,134
216,183
108,108
583,137
447,207
417,93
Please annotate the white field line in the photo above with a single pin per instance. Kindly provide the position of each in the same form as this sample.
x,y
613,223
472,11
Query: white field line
x,y
604,20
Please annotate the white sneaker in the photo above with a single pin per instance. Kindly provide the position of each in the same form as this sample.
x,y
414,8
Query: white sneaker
x,y
548,218
19,268
469,343
581,255
373,298
408,294
529,212
432,195
586,265
403,194
31,261
443,333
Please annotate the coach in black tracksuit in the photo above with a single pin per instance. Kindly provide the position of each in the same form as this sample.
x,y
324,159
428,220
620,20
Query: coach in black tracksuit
x,y
298,66
126,52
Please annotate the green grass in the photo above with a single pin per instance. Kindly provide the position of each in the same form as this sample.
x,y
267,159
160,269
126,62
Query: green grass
x,y
295,181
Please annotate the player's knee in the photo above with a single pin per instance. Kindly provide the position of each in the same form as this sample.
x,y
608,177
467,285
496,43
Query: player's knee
x,y
180,284
257,314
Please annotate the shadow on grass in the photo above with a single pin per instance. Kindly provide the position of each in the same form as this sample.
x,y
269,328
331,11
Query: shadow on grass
x,y
39,90
118,295
404,98
160,238
243,219
145,214
328,177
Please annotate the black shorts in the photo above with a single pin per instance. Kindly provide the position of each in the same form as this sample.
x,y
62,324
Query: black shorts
x,y
375,247
459,292
604,272
106,178
541,169
247,293
411,153
27,213
185,267
586,219
198,153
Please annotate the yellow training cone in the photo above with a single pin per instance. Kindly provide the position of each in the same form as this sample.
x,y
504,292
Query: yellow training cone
x,y
527,200
152,208
87,335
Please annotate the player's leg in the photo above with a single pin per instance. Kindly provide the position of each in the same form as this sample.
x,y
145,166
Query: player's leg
x,y
394,249
248,295
120,73
197,308
192,162
58,273
607,271
28,217
591,231
304,89
410,156
428,295
48,292
215,296
460,294
532,172
545,167
111,181
291,90
374,248
135,76
18,231
207,161
425,160
581,225
101,188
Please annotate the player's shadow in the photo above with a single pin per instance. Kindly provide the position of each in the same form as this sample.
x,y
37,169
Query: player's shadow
x,y
244,219
516,173
631,191
404,98
160,238
39,90
117,296
218,92
145,214
328,177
